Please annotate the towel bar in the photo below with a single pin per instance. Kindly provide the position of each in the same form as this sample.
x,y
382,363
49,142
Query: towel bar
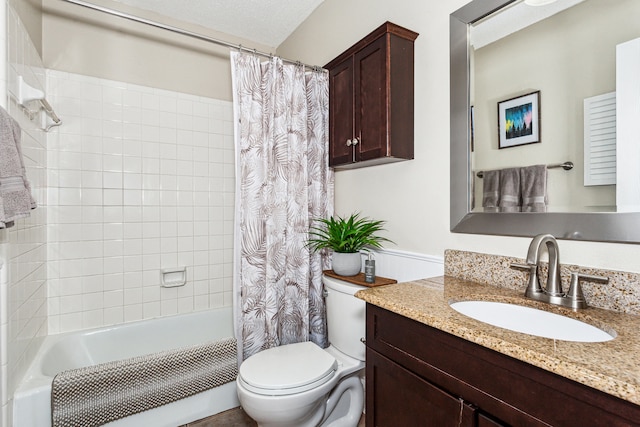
x,y
25,93
566,166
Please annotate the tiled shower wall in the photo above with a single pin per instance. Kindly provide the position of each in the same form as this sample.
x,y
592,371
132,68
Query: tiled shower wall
x,y
140,180
23,306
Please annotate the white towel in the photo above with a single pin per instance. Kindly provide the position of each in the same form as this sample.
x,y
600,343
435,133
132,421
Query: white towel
x,y
15,192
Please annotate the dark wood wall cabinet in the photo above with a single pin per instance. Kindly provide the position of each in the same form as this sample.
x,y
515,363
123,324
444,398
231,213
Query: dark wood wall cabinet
x,y
371,100
420,376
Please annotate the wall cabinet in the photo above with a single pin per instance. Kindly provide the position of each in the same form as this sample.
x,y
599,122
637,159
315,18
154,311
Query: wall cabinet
x,y
371,109
419,375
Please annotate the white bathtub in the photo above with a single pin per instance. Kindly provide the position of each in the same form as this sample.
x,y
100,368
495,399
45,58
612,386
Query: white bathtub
x,y
32,399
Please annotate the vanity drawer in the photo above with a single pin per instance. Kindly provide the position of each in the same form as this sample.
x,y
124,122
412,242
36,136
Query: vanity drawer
x,y
510,390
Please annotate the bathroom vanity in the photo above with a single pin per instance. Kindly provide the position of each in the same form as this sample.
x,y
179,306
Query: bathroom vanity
x,y
429,365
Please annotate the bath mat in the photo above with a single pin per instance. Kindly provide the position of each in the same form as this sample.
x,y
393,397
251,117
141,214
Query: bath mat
x,y
96,395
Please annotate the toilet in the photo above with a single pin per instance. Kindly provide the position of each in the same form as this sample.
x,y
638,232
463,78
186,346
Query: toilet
x,y
303,385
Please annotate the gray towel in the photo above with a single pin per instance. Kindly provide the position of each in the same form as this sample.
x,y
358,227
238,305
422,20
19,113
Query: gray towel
x,y
534,188
490,190
15,192
510,200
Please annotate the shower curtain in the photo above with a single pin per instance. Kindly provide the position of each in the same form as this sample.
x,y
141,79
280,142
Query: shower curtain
x,y
283,182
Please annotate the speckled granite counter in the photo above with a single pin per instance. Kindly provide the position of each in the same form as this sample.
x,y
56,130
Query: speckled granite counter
x,y
612,366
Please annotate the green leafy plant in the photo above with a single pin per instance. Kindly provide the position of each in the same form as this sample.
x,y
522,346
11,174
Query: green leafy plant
x,y
346,235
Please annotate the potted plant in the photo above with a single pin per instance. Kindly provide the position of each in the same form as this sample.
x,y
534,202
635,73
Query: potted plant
x,y
346,238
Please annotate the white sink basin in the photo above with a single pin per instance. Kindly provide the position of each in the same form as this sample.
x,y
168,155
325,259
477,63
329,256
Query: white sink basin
x,y
531,321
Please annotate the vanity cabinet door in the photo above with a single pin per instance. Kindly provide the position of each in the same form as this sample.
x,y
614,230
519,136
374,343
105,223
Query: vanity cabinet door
x,y
485,421
397,397
341,117
371,101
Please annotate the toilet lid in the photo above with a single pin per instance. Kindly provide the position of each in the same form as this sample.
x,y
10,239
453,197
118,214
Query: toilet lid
x,y
287,369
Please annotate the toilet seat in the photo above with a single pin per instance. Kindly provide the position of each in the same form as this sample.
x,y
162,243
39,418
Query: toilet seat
x,y
288,369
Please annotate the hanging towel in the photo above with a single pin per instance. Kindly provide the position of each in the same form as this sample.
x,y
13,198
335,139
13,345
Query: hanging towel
x,y
509,188
534,188
15,192
490,190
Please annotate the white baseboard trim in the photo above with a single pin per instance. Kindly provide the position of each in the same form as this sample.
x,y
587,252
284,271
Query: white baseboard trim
x,y
406,266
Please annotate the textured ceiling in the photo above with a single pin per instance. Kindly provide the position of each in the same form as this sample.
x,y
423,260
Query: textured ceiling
x,y
268,22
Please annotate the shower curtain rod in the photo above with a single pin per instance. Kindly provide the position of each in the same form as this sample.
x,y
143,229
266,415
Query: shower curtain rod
x,y
185,32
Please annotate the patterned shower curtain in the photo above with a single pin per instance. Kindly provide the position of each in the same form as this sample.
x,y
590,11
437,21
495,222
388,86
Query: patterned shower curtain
x,y
283,181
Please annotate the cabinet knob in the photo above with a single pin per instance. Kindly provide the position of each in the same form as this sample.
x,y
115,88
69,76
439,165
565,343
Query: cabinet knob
x,y
353,142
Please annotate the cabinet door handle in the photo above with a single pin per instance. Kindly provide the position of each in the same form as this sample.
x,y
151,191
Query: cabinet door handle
x,y
355,141
349,143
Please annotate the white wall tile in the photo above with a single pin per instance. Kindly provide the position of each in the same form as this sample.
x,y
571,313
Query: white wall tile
x,y
91,162
92,301
23,248
131,97
134,184
92,214
112,180
113,315
132,313
132,148
113,214
152,309
112,162
112,196
89,319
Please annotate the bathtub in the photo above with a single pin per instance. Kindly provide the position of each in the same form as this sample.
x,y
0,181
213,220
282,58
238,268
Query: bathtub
x,y
32,399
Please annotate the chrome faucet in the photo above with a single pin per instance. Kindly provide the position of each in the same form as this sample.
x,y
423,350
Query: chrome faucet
x,y
554,285
552,292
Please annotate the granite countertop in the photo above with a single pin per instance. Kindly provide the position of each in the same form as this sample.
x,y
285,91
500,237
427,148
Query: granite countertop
x,y
610,366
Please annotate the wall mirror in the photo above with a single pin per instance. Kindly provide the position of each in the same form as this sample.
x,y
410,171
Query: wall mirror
x,y
579,61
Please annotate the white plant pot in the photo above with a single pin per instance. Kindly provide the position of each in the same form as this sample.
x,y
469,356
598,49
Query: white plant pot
x,y
346,264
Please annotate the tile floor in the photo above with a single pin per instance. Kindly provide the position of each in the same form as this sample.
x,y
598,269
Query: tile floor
x,y
234,418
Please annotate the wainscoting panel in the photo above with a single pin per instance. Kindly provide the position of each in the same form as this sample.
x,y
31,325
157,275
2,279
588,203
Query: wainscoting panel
x,y
406,266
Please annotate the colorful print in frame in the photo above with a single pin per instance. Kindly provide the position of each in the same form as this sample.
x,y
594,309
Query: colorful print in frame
x,y
519,120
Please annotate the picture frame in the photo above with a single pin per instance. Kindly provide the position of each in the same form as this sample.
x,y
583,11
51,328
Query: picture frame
x,y
519,120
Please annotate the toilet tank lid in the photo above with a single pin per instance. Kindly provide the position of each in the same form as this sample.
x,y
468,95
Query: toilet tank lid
x,y
287,367
340,285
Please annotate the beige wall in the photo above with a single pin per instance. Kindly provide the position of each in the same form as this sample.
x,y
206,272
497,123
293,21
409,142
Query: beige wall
x,y
30,13
413,196
84,41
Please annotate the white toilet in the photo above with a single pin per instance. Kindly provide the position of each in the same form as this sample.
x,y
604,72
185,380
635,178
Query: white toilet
x,y
303,385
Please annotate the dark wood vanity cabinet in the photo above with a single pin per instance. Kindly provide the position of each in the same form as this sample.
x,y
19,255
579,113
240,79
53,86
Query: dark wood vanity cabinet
x,y
420,376
371,100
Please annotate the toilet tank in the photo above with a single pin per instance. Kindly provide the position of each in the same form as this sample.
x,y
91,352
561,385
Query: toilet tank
x,y
345,317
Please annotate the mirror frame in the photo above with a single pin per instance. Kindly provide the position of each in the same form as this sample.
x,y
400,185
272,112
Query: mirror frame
x,y
600,227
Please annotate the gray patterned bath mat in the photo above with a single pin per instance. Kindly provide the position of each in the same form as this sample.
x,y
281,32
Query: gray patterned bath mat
x,y
99,394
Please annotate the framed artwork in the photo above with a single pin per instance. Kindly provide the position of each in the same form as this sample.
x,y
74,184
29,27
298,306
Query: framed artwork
x,y
519,120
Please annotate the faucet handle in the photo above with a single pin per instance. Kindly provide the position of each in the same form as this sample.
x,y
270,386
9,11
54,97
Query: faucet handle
x,y
533,287
575,295
520,266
